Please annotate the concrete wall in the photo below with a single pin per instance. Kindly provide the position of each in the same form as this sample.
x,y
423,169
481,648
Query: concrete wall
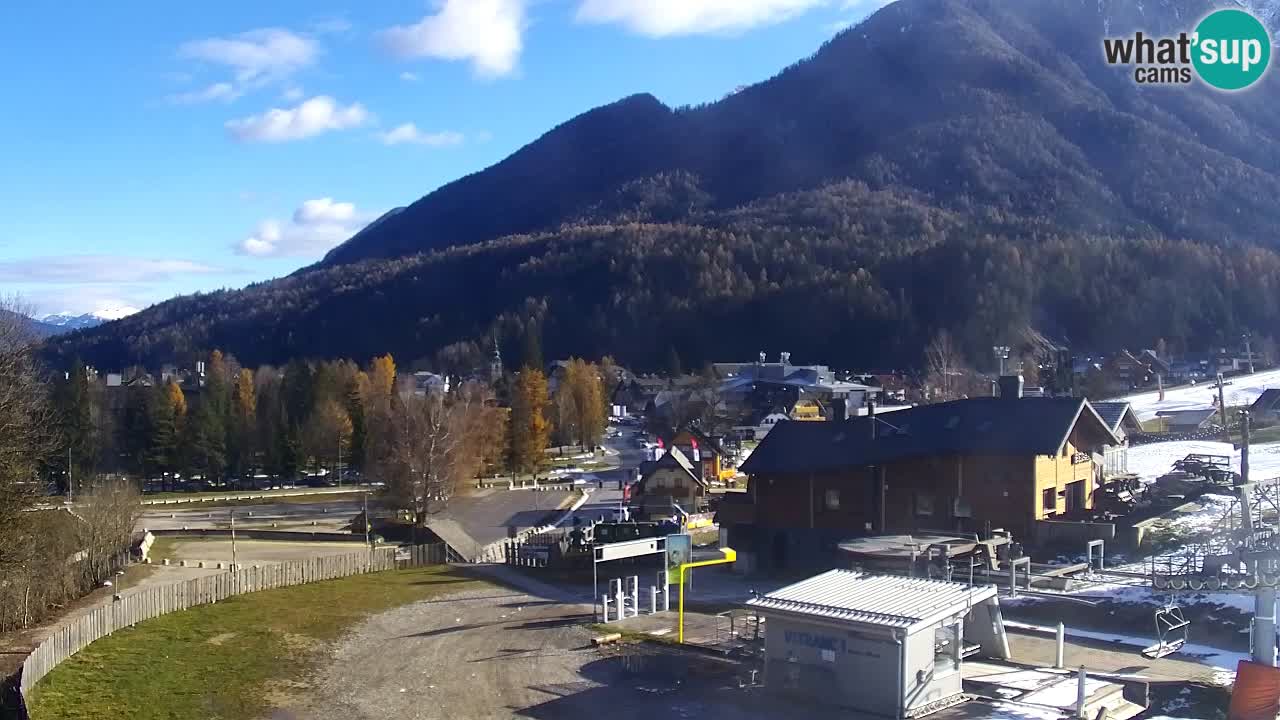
x,y
1074,532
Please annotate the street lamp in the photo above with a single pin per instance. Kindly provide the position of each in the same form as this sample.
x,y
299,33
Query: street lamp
x,y
1002,354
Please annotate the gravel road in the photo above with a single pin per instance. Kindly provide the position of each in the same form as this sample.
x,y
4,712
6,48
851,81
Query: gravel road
x,y
498,653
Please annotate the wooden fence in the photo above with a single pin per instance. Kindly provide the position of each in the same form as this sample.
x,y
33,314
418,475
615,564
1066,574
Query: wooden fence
x,y
147,604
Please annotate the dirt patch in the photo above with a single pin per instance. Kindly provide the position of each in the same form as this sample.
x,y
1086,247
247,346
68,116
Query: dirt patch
x,y
300,643
220,638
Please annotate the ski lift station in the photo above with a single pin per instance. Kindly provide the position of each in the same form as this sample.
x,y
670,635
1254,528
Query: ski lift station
x,y
884,645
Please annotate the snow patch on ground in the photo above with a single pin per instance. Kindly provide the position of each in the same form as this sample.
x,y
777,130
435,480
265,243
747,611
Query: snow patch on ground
x,y
1155,459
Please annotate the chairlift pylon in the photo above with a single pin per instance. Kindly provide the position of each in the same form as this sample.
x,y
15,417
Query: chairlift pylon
x,y
1171,629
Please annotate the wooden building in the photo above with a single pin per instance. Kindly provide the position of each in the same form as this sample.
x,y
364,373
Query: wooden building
x,y
705,453
671,478
970,465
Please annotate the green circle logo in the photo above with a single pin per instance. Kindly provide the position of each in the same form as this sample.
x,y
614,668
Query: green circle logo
x,y
1231,49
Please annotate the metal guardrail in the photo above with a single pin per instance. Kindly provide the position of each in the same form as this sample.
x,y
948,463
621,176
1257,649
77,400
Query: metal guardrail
x,y
224,497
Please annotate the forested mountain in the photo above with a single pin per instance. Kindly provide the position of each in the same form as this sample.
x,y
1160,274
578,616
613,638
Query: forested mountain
x,y
963,164
34,327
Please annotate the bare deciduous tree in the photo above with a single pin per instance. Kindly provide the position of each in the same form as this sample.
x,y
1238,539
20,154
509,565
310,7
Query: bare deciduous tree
x,y
945,365
110,511
27,425
434,443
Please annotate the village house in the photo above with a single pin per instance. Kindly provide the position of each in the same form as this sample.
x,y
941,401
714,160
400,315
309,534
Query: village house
x,y
1123,423
672,478
757,425
1187,421
706,453
1266,409
970,465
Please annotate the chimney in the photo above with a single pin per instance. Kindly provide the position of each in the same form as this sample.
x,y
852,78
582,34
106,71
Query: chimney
x,y
1011,387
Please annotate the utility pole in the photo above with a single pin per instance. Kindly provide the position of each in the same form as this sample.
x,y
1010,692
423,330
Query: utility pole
x,y
1222,410
1263,637
1248,351
1246,510
365,497
70,498
339,458
234,575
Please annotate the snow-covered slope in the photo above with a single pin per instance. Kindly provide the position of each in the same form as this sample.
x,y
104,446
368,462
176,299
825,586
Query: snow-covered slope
x,y
1151,461
68,321
1242,390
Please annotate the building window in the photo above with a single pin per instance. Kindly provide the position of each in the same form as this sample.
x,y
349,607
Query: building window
x,y
924,504
946,650
831,499
1049,499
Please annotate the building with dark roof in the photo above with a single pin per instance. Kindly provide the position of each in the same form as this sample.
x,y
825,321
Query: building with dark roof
x,y
1187,421
672,478
964,466
1122,421
1267,406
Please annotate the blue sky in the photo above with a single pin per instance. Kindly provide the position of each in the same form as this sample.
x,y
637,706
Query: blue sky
x,y
152,151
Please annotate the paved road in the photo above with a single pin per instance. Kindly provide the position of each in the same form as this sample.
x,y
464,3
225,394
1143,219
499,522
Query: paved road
x,y
328,516
486,514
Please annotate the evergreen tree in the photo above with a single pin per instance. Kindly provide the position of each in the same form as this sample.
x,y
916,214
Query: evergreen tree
x,y
531,352
244,410
675,368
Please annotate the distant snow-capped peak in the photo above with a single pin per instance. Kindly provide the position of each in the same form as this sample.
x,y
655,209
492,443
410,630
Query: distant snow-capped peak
x,y
73,321
114,313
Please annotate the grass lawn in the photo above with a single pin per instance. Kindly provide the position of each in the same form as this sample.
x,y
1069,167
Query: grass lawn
x,y
227,660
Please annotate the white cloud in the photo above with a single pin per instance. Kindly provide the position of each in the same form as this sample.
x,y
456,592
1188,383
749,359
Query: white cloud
x,y
408,76
98,269
313,117
257,56
409,133
487,33
661,18
222,92
317,226
292,94
324,210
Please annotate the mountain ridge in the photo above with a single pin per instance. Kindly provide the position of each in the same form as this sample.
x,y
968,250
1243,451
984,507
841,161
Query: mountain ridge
x,y
982,142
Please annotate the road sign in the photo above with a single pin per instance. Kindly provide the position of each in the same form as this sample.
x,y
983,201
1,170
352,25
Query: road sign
x,y
679,552
628,549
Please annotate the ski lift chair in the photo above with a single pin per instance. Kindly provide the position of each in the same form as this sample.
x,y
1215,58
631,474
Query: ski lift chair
x,y
1171,627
